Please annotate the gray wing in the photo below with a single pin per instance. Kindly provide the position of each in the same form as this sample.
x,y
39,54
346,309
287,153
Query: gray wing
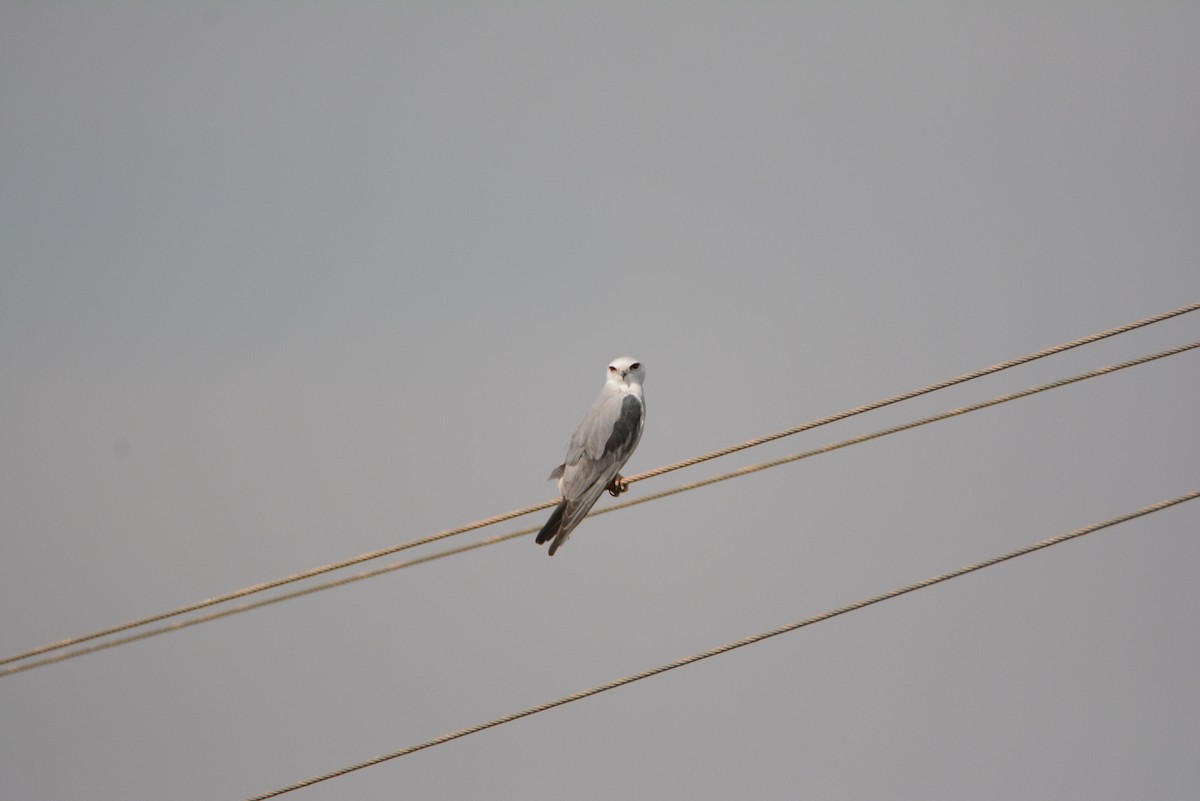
x,y
601,445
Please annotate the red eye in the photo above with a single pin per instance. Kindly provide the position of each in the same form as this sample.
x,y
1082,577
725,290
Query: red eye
x,y
635,366
612,369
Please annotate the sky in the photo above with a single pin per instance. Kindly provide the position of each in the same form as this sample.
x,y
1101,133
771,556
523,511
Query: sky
x,y
286,282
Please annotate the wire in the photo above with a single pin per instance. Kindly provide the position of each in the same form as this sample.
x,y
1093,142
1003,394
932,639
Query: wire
x,y
317,571
721,649
622,505
270,585
833,418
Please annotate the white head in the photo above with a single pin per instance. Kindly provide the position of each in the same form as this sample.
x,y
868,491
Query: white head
x,y
626,370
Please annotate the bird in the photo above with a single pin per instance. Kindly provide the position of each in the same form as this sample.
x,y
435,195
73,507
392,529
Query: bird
x,y
598,450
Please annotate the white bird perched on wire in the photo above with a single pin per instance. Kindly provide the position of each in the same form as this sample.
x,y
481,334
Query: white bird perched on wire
x,y
599,448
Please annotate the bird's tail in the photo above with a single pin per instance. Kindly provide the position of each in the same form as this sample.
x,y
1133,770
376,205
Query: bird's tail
x,y
550,530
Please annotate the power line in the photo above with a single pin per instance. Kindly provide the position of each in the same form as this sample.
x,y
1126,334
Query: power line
x,y
721,649
270,585
622,505
317,571
833,418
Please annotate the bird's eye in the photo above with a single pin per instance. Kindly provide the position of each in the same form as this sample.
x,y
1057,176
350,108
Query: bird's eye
x,y
635,366
612,369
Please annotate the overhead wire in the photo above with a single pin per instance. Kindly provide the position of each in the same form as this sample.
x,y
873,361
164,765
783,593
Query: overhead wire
x,y
833,418
376,554
743,471
721,649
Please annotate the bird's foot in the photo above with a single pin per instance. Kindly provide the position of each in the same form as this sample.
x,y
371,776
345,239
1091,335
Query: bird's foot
x,y
617,486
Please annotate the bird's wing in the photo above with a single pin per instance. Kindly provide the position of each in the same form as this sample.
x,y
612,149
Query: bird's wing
x,y
602,444
600,447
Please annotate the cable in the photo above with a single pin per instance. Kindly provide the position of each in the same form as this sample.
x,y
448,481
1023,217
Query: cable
x,y
316,571
833,418
622,505
721,649
270,585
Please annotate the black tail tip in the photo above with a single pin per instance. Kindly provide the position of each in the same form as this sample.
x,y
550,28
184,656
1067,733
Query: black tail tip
x,y
550,530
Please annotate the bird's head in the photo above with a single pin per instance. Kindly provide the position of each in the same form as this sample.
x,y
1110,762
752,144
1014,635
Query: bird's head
x,y
626,370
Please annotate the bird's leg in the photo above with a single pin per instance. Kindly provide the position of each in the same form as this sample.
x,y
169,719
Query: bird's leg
x,y
617,486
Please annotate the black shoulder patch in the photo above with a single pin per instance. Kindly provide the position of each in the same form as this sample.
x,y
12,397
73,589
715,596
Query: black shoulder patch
x,y
626,427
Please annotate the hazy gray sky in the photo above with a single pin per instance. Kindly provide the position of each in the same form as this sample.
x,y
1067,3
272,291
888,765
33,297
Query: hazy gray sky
x,y
281,283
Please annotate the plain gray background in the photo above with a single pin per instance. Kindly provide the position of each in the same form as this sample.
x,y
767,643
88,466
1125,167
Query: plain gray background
x,y
281,283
